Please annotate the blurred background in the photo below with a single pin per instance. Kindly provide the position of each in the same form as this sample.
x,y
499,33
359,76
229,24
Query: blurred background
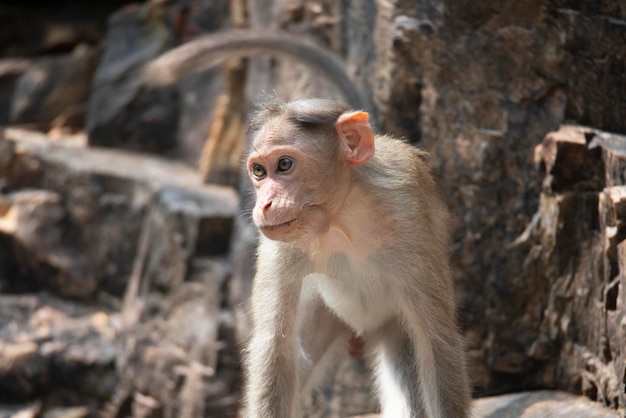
x,y
124,263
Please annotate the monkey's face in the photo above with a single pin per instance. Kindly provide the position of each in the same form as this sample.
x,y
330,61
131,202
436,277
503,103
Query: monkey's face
x,y
301,174
291,197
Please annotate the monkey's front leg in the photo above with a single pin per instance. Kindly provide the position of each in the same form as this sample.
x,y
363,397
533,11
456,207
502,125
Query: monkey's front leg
x,y
271,356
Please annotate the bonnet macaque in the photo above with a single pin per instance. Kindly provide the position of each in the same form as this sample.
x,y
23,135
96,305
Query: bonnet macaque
x,y
354,244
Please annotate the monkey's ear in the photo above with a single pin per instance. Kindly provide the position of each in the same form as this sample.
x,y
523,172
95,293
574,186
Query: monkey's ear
x,y
357,136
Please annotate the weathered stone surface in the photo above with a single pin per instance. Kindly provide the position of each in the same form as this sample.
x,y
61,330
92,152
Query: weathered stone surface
x,y
96,224
572,246
34,220
197,100
84,221
177,354
55,87
10,72
568,162
39,27
179,361
28,410
121,111
613,153
55,348
184,225
126,112
499,78
539,404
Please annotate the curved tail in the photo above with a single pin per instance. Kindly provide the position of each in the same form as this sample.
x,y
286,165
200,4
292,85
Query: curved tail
x,y
210,50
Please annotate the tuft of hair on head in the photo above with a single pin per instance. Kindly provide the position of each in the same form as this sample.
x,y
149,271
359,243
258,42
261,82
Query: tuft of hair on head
x,y
307,113
267,106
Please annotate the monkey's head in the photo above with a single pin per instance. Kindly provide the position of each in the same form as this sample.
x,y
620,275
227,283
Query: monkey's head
x,y
300,163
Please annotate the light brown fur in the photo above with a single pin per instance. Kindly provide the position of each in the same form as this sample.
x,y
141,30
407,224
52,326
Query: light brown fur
x,y
355,241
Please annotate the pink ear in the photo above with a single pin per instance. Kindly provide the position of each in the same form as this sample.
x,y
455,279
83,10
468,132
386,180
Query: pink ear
x,y
357,136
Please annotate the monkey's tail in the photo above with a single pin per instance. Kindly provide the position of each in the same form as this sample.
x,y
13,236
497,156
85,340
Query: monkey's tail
x,y
210,50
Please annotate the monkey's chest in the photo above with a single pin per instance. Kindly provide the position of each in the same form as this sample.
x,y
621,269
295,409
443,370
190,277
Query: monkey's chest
x,y
356,293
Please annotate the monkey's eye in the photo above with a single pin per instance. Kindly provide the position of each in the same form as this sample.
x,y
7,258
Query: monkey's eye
x,y
258,171
284,164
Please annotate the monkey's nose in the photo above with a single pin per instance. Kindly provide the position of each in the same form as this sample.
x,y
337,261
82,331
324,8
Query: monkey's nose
x,y
267,205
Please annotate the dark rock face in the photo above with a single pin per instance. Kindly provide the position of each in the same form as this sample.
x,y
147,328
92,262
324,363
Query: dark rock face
x,y
579,229
10,72
54,87
124,110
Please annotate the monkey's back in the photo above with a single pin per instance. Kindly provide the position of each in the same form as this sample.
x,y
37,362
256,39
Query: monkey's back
x,y
399,176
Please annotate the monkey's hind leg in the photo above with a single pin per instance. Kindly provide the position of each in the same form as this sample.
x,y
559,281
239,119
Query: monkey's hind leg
x,y
397,383
439,363
319,334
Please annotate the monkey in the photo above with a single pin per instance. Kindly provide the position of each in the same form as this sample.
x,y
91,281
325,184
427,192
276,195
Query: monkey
x,y
353,243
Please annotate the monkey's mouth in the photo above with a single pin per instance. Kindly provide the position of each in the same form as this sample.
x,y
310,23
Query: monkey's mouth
x,y
277,226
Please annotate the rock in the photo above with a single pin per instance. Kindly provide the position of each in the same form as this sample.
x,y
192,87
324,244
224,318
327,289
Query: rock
x,y
84,209
20,411
613,153
184,225
127,225
54,87
126,112
121,111
574,242
568,163
6,156
186,365
49,346
198,93
10,71
75,412
35,221
30,29
540,404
